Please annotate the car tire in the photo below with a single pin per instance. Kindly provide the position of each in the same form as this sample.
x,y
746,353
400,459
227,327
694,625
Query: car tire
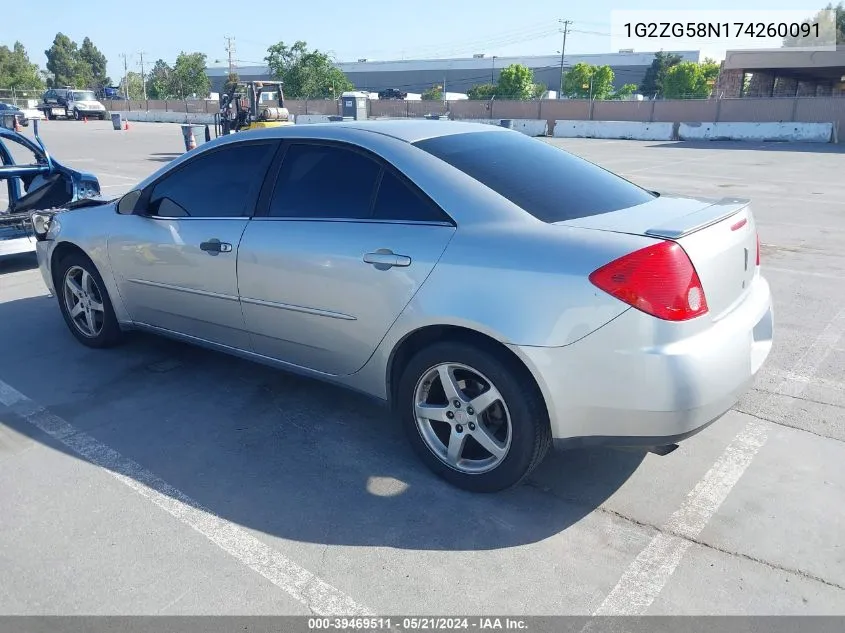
x,y
516,420
51,116
76,115
96,328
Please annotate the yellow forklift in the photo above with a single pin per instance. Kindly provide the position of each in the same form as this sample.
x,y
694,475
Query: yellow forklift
x,y
242,108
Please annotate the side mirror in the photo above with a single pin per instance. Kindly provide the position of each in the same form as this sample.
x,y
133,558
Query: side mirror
x,y
128,203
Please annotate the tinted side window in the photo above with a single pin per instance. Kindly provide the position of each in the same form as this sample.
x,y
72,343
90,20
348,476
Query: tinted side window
x,y
324,181
218,184
397,201
547,182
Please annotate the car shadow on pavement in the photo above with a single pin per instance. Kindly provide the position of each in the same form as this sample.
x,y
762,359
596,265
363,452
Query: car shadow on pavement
x,y
17,263
765,146
164,157
274,452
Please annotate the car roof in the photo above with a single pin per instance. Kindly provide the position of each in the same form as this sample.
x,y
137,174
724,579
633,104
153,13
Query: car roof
x,y
408,130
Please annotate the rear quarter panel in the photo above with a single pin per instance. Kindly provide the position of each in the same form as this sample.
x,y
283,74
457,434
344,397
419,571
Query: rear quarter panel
x,y
523,284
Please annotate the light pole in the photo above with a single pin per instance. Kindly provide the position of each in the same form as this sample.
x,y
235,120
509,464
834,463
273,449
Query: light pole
x,y
493,71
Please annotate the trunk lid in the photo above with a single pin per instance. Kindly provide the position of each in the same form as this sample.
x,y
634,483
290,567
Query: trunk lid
x,y
719,236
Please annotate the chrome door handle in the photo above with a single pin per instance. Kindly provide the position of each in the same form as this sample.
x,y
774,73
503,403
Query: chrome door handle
x,y
215,246
385,258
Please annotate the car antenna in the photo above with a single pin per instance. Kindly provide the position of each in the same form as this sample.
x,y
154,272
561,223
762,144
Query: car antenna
x,y
41,144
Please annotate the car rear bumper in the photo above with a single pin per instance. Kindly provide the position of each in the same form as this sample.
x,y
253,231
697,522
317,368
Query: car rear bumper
x,y
636,382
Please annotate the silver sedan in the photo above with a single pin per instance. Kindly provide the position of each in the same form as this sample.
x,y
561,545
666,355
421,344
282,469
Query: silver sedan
x,y
499,293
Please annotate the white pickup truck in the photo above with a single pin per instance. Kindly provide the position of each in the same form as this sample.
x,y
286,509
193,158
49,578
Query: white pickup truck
x,y
71,103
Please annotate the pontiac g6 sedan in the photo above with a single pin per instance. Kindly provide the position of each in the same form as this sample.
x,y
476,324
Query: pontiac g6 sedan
x,y
498,292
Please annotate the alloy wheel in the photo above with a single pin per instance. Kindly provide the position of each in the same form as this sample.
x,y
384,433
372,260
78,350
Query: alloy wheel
x,y
462,418
83,301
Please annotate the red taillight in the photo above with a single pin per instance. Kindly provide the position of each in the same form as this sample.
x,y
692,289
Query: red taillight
x,y
758,249
660,280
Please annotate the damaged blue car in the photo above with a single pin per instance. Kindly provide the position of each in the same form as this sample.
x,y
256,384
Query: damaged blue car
x,y
31,180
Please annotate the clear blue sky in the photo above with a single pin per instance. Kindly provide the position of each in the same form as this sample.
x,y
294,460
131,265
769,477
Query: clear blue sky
x,y
386,29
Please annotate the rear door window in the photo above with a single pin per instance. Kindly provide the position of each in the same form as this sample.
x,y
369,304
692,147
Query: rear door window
x,y
545,181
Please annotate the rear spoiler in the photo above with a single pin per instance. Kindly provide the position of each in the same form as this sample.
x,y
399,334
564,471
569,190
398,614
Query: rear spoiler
x,y
708,216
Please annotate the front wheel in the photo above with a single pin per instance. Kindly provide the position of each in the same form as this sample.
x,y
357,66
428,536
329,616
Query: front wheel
x,y
85,303
76,115
474,417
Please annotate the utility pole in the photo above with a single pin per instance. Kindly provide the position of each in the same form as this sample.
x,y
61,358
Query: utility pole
x,y
143,76
125,76
230,49
566,24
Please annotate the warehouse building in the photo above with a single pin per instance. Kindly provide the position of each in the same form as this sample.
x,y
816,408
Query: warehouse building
x,y
459,75
785,72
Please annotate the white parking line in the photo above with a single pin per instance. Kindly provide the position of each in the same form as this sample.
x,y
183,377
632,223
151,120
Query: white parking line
x,y
320,597
806,273
643,581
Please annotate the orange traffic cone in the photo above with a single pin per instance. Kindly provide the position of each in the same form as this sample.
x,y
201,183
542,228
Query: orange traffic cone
x,y
85,119
192,141
126,125
17,125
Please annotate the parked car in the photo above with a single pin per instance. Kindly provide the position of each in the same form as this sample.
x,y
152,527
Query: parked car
x,y
69,102
20,115
34,181
499,293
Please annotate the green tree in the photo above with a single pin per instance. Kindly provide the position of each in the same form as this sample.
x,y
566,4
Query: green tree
x,y
232,80
689,80
652,85
625,91
584,81
435,93
306,74
63,61
539,91
824,35
136,86
159,81
482,92
189,76
516,82
90,58
16,71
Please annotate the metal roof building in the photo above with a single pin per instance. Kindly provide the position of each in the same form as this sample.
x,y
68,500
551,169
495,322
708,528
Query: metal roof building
x,y
462,74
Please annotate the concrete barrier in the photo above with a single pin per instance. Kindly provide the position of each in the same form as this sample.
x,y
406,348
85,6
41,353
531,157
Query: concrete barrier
x,y
160,116
631,130
531,127
302,119
761,132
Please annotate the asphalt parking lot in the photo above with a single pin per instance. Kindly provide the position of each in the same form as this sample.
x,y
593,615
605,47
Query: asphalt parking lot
x,y
157,478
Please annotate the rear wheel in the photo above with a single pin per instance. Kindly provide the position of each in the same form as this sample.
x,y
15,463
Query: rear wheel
x,y
85,303
472,417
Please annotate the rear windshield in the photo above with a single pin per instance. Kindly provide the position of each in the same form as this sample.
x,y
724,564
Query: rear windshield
x,y
547,182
